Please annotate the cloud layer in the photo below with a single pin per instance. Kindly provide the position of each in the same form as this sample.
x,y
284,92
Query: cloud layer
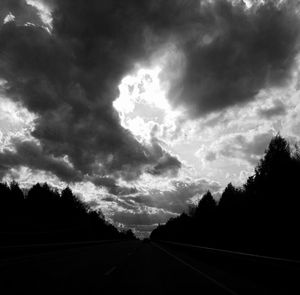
x,y
230,53
69,79
64,60
144,211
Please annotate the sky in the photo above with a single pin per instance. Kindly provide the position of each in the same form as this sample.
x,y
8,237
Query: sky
x,y
142,106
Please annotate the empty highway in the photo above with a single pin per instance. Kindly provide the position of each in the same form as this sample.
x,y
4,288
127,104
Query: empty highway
x,y
135,267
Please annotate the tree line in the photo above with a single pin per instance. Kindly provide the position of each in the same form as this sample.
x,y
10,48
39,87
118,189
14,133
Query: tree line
x,y
261,217
45,215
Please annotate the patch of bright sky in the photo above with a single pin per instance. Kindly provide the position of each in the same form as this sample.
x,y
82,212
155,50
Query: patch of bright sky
x,y
27,177
44,12
143,105
9,18
15,121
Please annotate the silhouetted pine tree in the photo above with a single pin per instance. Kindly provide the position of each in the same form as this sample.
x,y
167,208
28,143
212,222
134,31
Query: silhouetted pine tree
x,y
45,215
261,217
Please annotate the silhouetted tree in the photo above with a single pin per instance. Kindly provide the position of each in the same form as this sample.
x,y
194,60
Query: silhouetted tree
x,y
262,216
45,215
206,207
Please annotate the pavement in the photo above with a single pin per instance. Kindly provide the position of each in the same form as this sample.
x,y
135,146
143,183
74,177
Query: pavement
x,y
135,267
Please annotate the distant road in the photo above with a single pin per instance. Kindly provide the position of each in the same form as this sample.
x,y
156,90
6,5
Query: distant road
x,y
133,267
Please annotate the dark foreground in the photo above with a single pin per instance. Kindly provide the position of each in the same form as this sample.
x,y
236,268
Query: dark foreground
x,y
135,267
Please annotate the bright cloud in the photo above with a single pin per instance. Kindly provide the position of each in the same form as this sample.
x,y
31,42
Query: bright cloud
x,y
142,118
15,121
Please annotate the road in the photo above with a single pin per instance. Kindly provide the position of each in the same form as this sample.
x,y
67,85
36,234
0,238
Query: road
x,y
135,267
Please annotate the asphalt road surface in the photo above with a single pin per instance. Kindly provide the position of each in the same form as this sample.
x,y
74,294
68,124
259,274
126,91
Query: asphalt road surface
x,y
134,267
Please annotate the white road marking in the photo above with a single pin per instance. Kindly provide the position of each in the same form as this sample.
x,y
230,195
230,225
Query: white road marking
x,y
110,271
197,270
234,252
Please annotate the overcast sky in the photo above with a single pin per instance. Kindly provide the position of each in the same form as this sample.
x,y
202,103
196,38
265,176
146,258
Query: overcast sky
x,y
142,106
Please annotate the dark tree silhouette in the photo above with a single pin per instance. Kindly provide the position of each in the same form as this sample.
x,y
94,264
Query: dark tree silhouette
x,y
206,207
261,217
44,215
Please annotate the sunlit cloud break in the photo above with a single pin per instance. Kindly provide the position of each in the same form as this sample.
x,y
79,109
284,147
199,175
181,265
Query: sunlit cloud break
x,y
128,98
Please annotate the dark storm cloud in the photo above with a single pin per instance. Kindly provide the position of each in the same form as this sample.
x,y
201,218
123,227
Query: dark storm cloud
x,y
167,164
69,77
29,154
234,53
